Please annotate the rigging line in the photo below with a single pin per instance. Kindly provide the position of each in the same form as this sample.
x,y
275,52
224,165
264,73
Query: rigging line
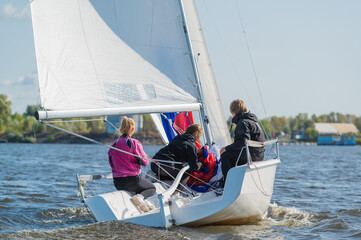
x,y
111,124
108,146
189,174
174,179
94,194
259,178
151,31
228,56
158,180
252,63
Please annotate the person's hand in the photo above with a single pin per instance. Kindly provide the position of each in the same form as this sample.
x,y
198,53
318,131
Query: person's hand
x,y
199,165
223,149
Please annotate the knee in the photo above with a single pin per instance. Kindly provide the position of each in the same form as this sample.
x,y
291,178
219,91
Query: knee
x,y
148,192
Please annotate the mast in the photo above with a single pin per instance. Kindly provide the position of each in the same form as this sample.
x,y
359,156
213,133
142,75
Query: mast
x,y
205,120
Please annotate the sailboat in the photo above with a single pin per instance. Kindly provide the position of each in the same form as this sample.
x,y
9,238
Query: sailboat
x,y
102,58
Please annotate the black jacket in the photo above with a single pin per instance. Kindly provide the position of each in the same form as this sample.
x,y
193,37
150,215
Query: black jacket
x,y
181,149
247,129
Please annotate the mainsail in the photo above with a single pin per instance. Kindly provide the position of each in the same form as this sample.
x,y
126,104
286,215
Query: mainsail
x,y
102,57
89,58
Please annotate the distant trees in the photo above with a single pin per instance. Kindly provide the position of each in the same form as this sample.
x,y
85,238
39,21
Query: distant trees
x,y
305,125
20,127
31,109
302,124
5,112
16,126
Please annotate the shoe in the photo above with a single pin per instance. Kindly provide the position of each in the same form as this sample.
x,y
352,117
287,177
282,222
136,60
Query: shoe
x,y
218,191
218,188
138,200
149,204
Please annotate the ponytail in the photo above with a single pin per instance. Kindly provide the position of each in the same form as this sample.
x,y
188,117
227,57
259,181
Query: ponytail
x,y
126,125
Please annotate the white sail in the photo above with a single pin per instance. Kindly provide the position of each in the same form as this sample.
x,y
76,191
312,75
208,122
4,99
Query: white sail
x,y
111,57
211,98
111,54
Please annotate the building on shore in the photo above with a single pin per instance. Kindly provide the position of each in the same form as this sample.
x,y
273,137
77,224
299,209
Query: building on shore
x,y
336,133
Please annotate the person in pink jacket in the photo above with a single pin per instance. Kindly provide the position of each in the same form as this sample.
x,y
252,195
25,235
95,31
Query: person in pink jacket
x,y
126,168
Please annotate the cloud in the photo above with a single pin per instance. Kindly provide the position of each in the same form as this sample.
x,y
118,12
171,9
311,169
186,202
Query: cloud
x,y
27,80
9,11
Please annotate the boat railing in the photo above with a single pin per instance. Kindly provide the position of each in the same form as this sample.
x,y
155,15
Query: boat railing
x,y
251,143
83,179
82,182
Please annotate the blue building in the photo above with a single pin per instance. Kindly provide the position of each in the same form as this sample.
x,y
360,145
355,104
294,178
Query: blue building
x,y
336,133
115,123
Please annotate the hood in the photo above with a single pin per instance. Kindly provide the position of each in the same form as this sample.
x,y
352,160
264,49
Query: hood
x,y
246,115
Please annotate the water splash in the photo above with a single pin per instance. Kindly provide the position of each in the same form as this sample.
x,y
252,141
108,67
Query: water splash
x,y
288,217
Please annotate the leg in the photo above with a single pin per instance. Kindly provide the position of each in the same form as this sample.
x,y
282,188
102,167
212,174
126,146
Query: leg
x,y
135,184
146,188
228,161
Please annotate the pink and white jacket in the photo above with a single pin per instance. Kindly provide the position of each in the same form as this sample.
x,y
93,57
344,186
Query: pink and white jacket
x,y
125,165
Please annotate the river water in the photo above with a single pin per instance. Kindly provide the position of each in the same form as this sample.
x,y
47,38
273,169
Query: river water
x,y
316,196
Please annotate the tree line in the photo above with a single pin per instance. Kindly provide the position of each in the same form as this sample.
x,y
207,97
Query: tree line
x,y
302,123
20,127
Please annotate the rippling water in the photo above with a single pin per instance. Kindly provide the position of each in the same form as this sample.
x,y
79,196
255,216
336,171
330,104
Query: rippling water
x,y
316,196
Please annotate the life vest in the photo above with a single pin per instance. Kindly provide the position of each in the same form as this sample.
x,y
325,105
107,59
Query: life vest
x,y
205,173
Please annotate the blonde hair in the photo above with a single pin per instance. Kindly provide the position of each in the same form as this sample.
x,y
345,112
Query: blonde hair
x,y
191,129
126,125
237,106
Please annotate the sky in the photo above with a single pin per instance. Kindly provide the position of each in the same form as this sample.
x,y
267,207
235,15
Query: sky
x,y
306,54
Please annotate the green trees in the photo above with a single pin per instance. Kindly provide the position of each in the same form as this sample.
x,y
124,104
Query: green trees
x,y
5,112
21,127
31,109
303,124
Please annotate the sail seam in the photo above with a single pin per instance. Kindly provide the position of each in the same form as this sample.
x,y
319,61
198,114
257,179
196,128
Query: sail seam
x,y
42,88
90,53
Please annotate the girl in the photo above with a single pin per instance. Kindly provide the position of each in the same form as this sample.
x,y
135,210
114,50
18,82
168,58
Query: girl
x,y
126,168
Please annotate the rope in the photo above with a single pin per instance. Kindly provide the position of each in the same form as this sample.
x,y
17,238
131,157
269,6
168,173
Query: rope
x,y
173,179
111,124
253,66
108,146
205,183
259,177
228,56
156,161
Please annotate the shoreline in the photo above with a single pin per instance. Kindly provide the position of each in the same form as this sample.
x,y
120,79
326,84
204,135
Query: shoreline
x,y
64,138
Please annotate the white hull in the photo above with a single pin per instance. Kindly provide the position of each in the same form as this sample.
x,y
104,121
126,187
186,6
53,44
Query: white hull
x,y
246,198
